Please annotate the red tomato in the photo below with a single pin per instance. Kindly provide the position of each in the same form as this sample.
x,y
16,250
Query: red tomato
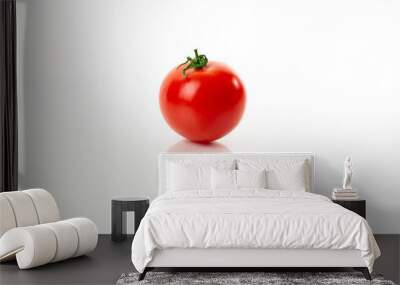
x,y
204,105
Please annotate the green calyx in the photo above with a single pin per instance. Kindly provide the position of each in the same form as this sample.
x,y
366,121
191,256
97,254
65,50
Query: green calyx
x,y
198,62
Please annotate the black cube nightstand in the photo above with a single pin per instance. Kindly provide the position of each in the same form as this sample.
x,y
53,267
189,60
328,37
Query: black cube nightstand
x,y
357,206
119,207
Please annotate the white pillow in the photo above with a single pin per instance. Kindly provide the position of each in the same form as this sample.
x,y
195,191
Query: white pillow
x,y
285,174
237,179
193,174
251,178
187,177
288,179
223,179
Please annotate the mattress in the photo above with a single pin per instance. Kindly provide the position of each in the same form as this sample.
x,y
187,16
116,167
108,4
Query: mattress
x,y
250,219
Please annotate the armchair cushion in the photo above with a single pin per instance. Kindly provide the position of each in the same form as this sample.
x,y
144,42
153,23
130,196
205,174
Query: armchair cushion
x,y
40,244
27,208
31,230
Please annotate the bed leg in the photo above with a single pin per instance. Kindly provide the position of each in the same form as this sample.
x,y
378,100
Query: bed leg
x,y
364,271
142,275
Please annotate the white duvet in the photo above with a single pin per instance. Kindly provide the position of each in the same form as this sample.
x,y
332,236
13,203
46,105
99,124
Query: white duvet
x,y
250,218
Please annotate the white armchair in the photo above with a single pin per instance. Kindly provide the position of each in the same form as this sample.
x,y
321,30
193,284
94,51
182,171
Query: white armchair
x,y
31,230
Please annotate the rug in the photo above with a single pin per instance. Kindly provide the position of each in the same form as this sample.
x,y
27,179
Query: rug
x,y
268,278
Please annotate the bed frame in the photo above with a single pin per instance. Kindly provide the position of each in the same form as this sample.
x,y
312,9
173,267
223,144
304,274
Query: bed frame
x,y
236,259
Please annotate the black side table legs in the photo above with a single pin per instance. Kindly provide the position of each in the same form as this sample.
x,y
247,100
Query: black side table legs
x,y
118,222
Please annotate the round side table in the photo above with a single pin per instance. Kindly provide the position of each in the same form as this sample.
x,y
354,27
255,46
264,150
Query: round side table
x,y
119,207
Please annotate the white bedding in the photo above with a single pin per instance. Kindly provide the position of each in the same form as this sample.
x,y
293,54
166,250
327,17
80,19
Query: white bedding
x,y
251,218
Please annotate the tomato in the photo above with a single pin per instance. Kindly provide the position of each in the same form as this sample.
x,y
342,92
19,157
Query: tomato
x,y
202,102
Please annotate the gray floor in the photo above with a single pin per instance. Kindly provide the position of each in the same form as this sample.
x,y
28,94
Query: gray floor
x,y
110,259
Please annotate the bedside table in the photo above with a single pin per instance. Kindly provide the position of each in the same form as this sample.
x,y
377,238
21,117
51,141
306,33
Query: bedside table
x,y
357,206
119,207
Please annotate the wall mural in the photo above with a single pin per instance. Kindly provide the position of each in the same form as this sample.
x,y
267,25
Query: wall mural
x,y
202,100
185,146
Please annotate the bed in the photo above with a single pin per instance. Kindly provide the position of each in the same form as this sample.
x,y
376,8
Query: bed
x,y
247,210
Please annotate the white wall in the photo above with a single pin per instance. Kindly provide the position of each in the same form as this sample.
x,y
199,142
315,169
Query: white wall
x,y
321,76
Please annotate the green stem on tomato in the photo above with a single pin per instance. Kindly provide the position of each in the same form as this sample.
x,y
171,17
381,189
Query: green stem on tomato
x,y
198,62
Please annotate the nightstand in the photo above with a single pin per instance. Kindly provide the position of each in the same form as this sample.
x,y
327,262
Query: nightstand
x,y
357,206
119,207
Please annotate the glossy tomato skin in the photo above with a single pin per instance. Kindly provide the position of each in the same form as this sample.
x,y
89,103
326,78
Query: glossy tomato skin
x,y
206,104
